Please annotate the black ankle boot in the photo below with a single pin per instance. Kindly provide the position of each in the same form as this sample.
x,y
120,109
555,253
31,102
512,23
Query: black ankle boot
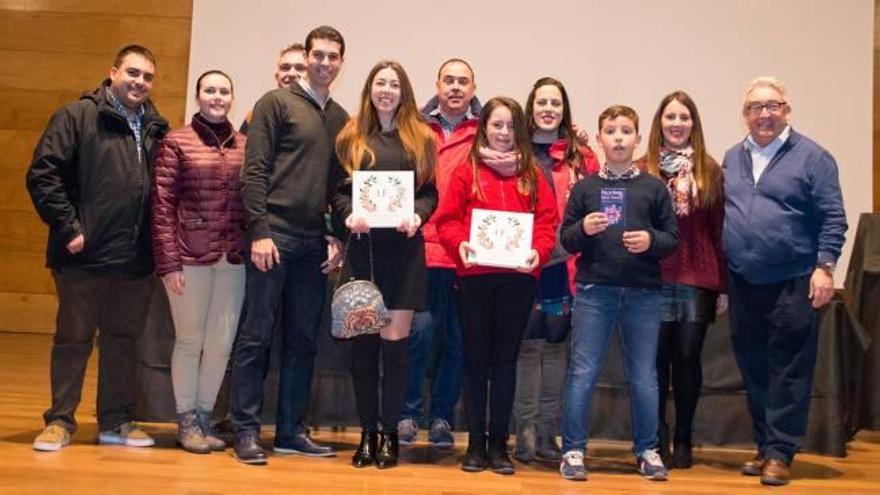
x,y
366,451
682,456
663,444
474,459
499,461
389,448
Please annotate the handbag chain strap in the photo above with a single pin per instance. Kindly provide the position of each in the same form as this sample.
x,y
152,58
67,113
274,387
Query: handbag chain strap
x,y
345,257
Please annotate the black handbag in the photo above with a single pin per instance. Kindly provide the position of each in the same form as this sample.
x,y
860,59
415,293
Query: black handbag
x,y
357,307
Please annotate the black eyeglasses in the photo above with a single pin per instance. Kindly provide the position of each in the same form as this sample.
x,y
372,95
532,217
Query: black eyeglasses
x,y
771,106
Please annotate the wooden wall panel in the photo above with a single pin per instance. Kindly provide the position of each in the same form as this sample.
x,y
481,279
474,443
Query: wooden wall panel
x,y
51,51
81,70
876,146
151,8
98,34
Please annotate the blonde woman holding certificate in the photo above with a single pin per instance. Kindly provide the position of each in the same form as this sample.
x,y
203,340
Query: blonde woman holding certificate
x,y
387,135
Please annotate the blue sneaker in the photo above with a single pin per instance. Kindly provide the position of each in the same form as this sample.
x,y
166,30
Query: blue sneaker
x,y
441,433
572,466
407,429
651,466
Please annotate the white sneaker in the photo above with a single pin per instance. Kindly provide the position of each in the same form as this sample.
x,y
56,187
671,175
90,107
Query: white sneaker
x,y
651,466
572,466
126,434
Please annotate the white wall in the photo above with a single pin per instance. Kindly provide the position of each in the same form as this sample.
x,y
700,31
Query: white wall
x,y
621,51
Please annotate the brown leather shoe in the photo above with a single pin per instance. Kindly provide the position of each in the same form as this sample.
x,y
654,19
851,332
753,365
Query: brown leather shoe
x,y
776,472
754,466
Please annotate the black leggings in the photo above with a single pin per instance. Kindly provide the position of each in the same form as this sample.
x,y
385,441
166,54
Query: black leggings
x,y
494,312
679,346
365,377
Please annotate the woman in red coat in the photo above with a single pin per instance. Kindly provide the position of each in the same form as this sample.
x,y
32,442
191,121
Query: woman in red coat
x,y
501,174
543,354
197,244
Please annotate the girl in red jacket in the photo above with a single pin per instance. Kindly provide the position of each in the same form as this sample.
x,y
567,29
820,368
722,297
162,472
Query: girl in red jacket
x,y
501,174
198,241
543,356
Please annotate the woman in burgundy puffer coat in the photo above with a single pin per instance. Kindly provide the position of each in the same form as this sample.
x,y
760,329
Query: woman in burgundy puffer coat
x,y
198,241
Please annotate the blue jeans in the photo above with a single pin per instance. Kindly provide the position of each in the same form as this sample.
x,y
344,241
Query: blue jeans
x,y
298,285
442,314
597,310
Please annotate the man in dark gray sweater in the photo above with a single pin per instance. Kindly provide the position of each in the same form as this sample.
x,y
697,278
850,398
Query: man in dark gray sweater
x,y
289,174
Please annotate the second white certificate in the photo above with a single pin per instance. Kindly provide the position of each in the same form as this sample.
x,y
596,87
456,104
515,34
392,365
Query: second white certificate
x,y
501,238
383,198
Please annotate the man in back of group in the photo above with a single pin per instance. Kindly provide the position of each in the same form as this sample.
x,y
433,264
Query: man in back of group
x,y
290,67
90,183
289,175
453,114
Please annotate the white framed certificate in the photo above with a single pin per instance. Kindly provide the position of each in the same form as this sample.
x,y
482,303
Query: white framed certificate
x,y
501,238
383,198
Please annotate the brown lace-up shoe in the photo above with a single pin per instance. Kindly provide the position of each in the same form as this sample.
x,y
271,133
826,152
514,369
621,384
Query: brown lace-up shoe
x,y
775,473
754,466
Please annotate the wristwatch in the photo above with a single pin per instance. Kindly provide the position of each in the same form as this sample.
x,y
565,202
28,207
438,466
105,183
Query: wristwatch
x,y
828,266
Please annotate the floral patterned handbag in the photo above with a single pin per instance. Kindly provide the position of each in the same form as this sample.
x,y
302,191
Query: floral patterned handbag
x,y
357,307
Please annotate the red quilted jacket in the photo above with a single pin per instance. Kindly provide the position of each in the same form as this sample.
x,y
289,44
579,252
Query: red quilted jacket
x,y
197,212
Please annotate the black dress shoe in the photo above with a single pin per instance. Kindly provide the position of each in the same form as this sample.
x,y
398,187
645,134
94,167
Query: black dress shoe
x,y
302,444
682,456
474,459
499,461
386,456
365,454
247,450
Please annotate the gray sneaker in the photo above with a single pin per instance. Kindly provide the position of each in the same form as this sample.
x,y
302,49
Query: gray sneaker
x,y
407,429
525,445
572,466
548,448
441,433
55,437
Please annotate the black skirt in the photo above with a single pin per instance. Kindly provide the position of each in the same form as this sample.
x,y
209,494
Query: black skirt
x,y
687,304
398,266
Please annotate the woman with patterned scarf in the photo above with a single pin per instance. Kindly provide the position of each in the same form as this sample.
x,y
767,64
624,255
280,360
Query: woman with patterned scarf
x,y
693,276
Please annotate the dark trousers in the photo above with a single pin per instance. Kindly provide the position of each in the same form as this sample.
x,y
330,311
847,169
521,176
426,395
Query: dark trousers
x,y
117,307
679,348
775,333
494,312
299,287
365,378
436,329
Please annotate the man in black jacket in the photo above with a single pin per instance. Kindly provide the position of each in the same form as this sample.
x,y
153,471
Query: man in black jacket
x,y
90,181
289,175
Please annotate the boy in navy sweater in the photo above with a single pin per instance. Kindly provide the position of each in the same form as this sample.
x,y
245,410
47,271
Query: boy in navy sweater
x,y
622,223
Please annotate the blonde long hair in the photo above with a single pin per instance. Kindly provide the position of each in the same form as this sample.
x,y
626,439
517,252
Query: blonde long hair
x,y
417,138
